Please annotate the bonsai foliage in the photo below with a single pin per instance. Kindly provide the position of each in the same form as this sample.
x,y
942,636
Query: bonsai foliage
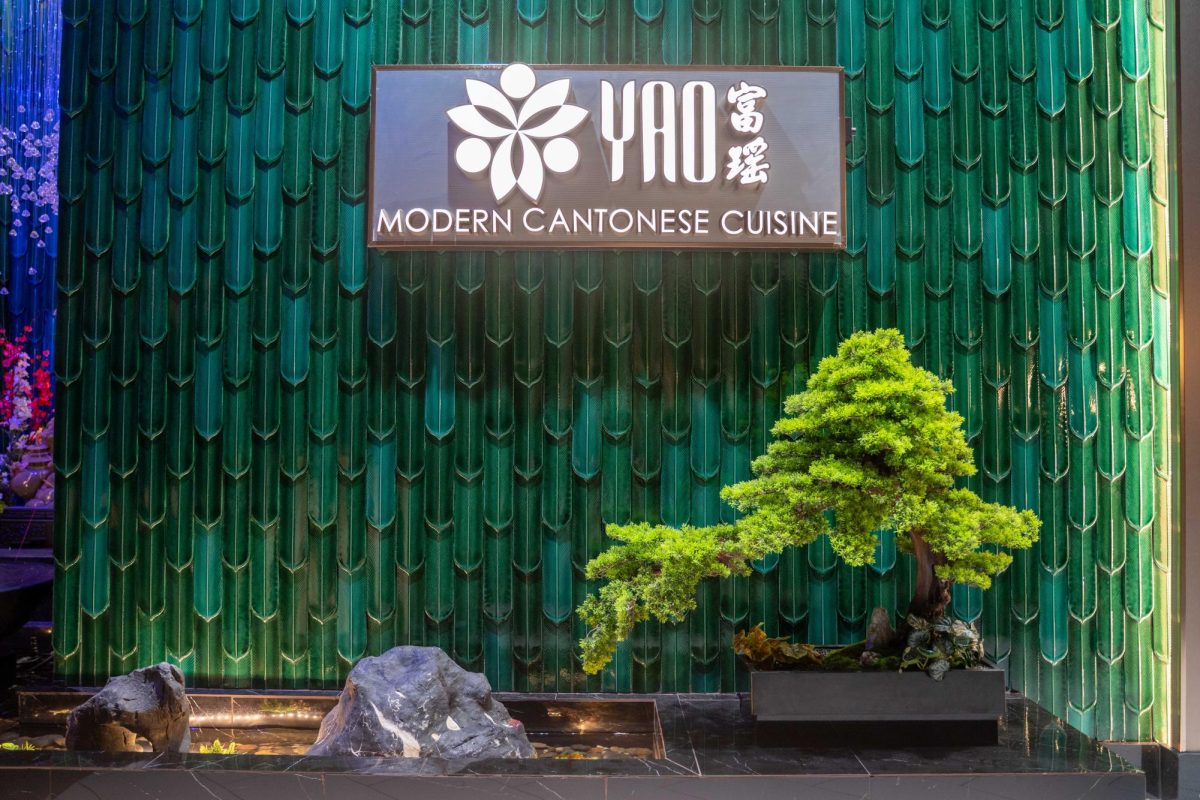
x,y
868,445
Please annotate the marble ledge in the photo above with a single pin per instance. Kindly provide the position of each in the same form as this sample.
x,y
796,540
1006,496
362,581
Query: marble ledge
x,y
711,748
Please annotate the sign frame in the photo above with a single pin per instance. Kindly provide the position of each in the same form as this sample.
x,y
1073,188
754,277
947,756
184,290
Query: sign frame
x,y
749,246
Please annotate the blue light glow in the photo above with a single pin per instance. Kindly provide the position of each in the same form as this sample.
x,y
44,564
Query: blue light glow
x,y
30,57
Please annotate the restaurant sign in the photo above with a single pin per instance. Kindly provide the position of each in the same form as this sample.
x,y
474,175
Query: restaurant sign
x,y
603,157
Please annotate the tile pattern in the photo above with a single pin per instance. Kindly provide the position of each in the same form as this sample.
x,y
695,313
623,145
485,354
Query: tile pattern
x,y
279,453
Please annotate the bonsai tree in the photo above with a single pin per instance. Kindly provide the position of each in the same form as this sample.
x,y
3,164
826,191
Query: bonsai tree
x,y
868,445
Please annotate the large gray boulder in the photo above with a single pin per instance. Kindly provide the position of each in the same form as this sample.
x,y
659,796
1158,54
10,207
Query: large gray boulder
x,y
149,702
416,702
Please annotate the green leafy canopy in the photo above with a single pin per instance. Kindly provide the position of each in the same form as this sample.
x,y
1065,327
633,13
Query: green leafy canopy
x,y
868,445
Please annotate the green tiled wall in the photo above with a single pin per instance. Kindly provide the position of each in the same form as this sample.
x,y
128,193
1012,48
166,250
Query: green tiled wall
x,y
279,453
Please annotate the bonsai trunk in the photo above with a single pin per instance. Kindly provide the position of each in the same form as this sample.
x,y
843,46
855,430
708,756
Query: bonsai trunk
x,y
932,594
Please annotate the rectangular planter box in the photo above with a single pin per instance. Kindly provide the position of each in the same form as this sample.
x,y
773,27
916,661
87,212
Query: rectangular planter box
x,y
963,695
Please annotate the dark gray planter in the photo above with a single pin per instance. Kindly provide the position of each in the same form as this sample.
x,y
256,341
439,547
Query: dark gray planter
x,y
963,695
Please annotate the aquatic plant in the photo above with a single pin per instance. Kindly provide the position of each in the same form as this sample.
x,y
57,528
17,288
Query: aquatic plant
x,y
216,748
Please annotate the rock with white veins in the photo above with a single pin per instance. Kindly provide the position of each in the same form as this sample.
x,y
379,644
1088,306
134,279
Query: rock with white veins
x,y
416,702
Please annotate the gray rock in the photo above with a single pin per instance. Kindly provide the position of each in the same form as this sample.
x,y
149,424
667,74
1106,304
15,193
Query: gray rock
x,y
148,702
49,740
416,702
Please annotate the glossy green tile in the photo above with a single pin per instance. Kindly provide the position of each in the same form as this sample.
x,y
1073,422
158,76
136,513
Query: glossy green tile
x,y
279,453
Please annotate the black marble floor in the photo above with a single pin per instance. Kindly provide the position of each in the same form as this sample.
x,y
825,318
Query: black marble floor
x,y
1170,774
710,749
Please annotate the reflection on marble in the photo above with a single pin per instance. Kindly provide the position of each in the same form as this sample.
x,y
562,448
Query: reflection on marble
x,y
294,709
1180,775
1119,786
1031,740
374,787
810,787
48,707
709,747
258,741
120,785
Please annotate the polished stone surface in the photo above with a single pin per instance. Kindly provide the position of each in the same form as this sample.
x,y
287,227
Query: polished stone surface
x,y
1180,775
1170,774
710,748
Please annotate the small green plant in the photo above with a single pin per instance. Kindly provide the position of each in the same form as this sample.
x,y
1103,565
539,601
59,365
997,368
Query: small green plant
x,y
869,445
216,748
26,745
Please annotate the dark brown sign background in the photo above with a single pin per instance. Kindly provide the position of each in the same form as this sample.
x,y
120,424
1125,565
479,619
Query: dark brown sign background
x,y
413,143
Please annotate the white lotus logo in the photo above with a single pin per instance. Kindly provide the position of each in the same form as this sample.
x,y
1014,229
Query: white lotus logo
x,y
545,117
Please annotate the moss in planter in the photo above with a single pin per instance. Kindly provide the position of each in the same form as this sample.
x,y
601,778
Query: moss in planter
x,y
926,648
770,653
765,652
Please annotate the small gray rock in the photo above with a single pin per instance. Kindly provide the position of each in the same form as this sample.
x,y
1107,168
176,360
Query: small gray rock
x,y
49,740
416,702
148,702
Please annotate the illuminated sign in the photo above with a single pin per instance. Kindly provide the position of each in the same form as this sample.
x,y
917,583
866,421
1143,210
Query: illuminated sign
x,y
598,157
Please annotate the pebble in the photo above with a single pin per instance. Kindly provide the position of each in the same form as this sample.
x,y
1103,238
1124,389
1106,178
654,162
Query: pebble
x,y
50,740
275,749
590,752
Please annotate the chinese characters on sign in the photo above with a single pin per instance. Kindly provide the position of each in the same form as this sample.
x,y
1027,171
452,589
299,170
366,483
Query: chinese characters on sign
x,y
518,156
747,162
